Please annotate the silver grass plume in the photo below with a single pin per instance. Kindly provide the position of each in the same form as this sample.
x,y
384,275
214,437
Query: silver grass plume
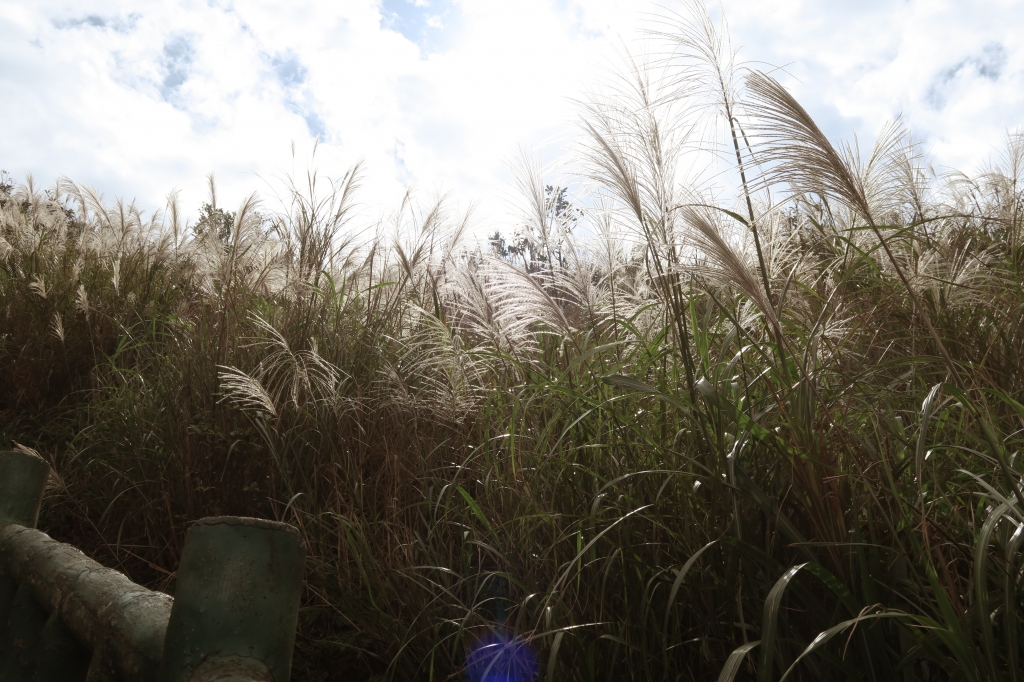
x,y
727,263
57,326
245,392
284,377
799,154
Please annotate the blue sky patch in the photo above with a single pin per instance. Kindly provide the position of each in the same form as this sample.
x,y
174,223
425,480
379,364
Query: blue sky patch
x,y
176,60
989,64
402,173
98,21
289,70
572,13
431,24
316,125
293,75
94,20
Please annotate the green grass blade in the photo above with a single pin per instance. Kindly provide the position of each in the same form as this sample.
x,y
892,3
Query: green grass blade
x,y
981,582
677,583
770,623
922,439
952,635
475,508
823,637
553,656
1010,603
735,660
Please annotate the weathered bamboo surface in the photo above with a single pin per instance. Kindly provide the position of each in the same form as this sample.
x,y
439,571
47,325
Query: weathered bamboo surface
x,y
64,616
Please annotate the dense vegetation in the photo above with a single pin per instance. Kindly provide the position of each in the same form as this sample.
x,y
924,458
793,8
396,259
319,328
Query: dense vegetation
x,y
654,431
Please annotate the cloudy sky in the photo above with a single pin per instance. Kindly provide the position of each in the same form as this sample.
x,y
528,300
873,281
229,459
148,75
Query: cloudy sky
x,y
137,98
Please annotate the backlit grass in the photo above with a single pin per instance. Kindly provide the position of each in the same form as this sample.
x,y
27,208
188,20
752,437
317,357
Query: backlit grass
x,y
671,435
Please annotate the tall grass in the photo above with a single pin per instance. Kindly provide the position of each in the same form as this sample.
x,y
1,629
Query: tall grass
x,y
768,437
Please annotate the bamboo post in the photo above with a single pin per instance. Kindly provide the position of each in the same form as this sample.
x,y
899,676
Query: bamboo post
x,y
22,480
60,657
24,630
236,602
65,617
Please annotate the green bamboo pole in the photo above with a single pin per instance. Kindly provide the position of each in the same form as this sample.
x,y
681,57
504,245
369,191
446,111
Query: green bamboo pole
x,y
60,657
22,480
236,602
122,623
24,630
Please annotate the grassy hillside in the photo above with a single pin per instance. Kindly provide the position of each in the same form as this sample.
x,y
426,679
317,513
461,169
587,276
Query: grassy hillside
x,y
649,430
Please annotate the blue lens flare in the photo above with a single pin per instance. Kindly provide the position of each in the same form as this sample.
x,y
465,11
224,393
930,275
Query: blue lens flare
x,y
501,657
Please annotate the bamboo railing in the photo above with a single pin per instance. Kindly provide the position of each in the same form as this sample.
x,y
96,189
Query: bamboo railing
x,y
65,617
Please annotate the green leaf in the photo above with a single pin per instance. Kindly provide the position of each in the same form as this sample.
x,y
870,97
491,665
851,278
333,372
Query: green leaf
x,y
553,656
953,635
735,660
833,583
622,381
772,511
981,582
1010,600
770,623
679,581
927,407
823,637
475,508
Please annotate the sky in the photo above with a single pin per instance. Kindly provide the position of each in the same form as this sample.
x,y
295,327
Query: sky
x,y
138,98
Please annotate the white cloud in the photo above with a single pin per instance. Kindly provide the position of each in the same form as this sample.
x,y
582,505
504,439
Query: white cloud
x,y
955,70
139,97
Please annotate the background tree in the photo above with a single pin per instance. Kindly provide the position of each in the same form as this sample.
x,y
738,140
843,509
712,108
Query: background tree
x,y
534,247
